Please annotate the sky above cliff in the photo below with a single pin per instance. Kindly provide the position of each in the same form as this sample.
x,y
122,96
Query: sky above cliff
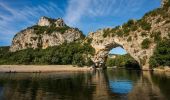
x,y
87,15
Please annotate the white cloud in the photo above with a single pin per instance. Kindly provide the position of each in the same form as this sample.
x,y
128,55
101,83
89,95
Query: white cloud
x,y
25,15
75,10
98,8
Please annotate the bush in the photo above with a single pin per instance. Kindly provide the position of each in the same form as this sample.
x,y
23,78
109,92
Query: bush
x,y
128,24
145,26
106,32
110,62
156,36
134,28
129,39
146,43
169,34
161,56
48,29
126,31
143,34
119,33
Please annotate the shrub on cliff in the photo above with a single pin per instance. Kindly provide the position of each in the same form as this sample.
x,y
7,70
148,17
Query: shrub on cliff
x,y
48,29
161,56
156,36
145,25
145,43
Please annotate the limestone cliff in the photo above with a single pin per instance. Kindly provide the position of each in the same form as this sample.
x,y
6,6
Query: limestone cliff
x,y
48,32
137,37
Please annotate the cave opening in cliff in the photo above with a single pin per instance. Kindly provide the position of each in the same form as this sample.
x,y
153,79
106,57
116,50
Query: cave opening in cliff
x,y
119,57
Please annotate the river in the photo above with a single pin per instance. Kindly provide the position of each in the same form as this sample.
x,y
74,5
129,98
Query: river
x,y
119,84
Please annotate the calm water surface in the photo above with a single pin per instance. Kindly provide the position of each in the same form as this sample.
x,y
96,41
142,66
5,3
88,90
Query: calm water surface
x,y
100,85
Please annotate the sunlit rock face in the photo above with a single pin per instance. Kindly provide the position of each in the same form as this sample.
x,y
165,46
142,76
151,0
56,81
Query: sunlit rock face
x,y
48,32
164,2
60,23
43,21
130,36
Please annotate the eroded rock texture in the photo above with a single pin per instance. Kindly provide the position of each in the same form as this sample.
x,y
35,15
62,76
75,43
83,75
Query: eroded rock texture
x,y
48,32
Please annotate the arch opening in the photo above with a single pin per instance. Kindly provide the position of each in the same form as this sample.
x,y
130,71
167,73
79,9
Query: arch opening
x,y
118,57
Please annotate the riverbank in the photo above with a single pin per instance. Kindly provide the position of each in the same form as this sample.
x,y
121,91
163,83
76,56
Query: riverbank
x,y
162,69
40,68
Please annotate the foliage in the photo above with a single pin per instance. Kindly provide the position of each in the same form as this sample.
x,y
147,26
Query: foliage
x,y
106,32
145,25
111,31
146,43
122,61
68,53
48,29
158,20
128,24
161,56
119,33
169,34
39,29
143,34
129,39
156,36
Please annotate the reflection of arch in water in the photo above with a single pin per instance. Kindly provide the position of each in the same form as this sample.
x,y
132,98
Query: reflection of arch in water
x,y
113,84
145,89
100,79
125,84
122,81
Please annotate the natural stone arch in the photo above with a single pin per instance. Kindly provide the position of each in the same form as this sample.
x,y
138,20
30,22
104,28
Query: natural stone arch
x,y
103,45
138,37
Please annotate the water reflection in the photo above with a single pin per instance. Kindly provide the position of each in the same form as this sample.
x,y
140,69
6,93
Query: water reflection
x,y
121,87
99,85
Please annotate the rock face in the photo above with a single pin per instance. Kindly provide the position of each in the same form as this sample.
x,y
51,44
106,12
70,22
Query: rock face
x,y
44,22
48,32
164,2
133,36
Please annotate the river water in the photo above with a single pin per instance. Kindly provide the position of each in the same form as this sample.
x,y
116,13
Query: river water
x,y
117,84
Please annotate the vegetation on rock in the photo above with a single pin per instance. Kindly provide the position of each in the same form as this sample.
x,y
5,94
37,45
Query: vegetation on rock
x,y
156,36
129,39
145,43
48,29
161,56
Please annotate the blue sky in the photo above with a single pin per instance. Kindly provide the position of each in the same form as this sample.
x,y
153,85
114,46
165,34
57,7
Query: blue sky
x,y
87,15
